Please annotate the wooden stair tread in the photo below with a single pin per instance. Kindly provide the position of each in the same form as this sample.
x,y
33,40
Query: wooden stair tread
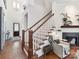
x,y
41,43
52,29
49,32
44,39
47,35
37,49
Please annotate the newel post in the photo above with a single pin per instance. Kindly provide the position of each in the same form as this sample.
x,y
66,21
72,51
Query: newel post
x,y
23,36
30,50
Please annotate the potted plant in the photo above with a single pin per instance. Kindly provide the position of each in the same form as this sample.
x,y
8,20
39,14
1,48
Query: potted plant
x,y
65,19
69,23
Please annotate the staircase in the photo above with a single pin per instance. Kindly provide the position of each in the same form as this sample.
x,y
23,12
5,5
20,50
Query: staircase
x,y
36,36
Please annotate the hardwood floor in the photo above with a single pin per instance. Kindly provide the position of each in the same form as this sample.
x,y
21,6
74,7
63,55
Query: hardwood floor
x,y
12,50
53,56
50,56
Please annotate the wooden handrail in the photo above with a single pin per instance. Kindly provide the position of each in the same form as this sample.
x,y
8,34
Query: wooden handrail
x,y
43,23
39,20
30,48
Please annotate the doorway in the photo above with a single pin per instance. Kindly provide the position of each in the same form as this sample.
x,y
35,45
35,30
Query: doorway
x,y
16,29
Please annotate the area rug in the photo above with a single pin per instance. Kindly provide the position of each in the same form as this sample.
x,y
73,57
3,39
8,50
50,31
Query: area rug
x,y
73,52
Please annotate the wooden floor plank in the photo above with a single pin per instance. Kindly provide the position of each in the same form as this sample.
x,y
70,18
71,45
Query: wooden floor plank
x,y
12,50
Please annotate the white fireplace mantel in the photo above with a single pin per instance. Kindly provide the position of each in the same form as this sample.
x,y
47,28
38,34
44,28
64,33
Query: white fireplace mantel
x,y
75,30
70,29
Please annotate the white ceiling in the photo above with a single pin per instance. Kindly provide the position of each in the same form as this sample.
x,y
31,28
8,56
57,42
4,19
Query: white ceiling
x,y
67,1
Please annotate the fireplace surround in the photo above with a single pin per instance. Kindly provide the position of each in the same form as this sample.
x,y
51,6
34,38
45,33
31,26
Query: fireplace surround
x,y
70,35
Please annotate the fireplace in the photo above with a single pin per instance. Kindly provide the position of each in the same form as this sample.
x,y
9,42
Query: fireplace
x,y
69,36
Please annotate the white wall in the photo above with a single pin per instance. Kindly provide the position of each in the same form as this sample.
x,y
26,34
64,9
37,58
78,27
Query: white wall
x,y
14,16
63,6
3,19
35,13
1,3
37,10
46,4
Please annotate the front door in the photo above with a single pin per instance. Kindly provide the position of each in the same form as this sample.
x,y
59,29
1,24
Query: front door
x,y
16,29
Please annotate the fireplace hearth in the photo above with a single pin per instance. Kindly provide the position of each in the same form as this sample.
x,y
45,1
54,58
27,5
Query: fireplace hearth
x,y
69,36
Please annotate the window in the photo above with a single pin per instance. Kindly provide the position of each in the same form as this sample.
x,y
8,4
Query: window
x,y
16,5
